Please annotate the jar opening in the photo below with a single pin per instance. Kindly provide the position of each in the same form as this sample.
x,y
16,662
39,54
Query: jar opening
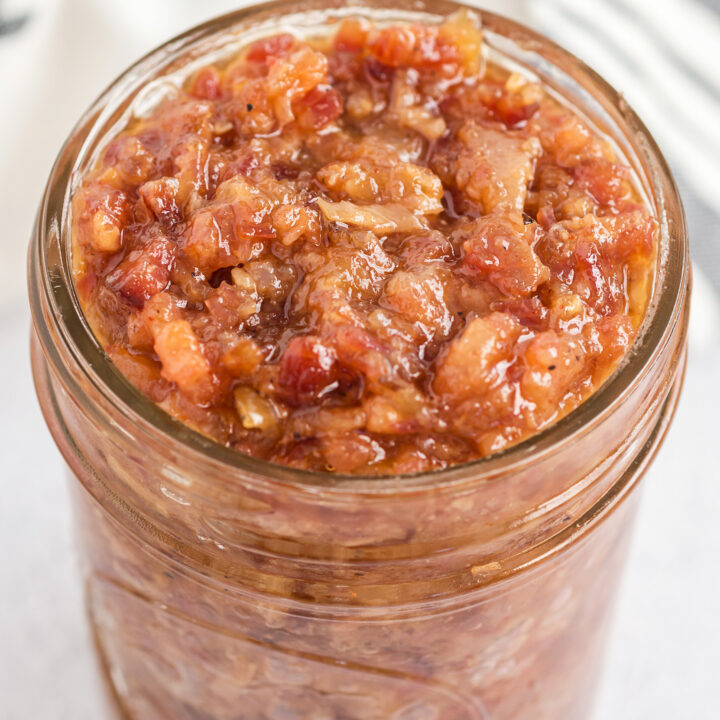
x,y
53,287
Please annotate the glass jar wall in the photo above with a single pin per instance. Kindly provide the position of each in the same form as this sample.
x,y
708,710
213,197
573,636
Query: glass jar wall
x,y
223,587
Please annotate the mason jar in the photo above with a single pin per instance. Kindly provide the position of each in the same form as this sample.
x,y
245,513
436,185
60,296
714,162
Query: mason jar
x,y
223,587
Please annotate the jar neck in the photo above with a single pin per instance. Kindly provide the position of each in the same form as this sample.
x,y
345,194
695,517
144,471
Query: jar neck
x,y
267,536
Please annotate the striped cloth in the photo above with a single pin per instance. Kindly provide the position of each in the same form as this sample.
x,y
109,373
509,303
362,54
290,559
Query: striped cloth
x,y
663,55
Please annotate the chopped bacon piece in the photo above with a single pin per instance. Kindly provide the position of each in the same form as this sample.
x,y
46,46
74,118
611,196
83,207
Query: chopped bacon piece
x,y
419,249
347,452
570,142
474,361
292,222
225,233
360,351
292,78
595,280
419,296
276,46
553,363
500,249
462,31
319,107
243,358
162,198
529,312
145,272
607,182
253,110
352,35
230,306
398,412
308,370
615,335
183,362
102,213
206,84
411,46
493,168
130,159
589,253
408,108
212,242
511,109
416,187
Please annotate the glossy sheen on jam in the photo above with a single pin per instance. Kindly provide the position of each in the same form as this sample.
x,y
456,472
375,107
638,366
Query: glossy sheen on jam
x,y
371,252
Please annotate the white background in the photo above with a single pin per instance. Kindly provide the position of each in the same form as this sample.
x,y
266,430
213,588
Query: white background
x,y
663,661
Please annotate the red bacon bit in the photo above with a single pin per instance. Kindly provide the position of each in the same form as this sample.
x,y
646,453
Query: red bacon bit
x,y
529,312
412,46
500,252
210,243
509,108
132,161
145,272
161,196
553,362
615,334
376,73
607,182
634,234
418,249
546,217
206,84
352,35
353,342
308,370
595,279
263,51
320,106
361,352
102,214
223,236
230,306
183,361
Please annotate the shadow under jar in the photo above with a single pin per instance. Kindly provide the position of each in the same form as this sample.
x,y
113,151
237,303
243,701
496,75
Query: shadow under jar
x,y
223,587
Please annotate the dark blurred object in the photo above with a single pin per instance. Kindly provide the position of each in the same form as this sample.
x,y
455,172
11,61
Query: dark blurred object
x,y
11,25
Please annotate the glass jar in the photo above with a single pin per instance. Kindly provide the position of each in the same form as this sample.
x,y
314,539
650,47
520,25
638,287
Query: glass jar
x,y
222,587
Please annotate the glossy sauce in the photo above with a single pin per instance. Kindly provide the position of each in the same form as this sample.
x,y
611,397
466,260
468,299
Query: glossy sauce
x,y
369,253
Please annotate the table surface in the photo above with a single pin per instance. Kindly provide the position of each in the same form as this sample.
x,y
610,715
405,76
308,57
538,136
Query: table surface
x,y
662,661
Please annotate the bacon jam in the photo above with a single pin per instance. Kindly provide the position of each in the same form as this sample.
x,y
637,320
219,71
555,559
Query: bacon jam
x,y
374,252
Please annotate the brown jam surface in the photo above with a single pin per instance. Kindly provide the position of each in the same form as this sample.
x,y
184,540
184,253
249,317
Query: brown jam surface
x,y
369,253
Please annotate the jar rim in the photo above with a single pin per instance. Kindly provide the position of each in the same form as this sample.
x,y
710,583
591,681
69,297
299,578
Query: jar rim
x,y
52,287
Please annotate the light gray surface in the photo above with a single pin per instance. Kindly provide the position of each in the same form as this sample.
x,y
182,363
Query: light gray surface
x,y
663,659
